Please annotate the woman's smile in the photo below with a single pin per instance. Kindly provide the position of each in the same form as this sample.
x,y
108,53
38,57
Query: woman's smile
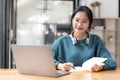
x,y
80,28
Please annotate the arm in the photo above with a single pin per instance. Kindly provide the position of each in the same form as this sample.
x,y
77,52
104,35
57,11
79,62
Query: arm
x,y
110,64
62,66
57,49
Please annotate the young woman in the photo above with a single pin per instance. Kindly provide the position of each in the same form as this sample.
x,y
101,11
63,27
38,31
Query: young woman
x,y
80,46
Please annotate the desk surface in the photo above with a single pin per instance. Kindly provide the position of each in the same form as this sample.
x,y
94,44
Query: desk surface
x,y
12,74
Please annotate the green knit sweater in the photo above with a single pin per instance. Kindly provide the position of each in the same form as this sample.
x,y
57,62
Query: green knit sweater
x,y
81,51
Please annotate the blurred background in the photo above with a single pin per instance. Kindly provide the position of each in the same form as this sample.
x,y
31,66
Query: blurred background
x,y
41,22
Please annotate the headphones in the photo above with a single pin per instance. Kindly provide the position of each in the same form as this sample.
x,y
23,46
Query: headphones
x,y
74,39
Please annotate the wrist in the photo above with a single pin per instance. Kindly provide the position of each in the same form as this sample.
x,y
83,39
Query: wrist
x,y
58,66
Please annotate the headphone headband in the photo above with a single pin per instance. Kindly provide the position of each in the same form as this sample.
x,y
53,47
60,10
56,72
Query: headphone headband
x,y
74,39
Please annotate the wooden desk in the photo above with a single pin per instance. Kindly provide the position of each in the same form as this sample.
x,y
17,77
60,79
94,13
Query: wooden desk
x,y
12,74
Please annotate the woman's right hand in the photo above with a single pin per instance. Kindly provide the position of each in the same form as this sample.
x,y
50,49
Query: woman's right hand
x,y
64,66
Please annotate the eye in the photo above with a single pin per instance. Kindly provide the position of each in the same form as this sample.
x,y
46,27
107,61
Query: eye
x,y
84,21
77,20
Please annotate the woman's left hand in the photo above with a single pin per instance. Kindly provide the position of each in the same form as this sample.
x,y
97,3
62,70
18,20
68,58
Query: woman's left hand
x,y
97,67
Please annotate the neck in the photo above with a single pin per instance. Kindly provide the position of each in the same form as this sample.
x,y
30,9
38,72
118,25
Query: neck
x,y
80,35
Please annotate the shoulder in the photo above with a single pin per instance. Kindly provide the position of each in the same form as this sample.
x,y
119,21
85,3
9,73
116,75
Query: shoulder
x,y
62,38
95,37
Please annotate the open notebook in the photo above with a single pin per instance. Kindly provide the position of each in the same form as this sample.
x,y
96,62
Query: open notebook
x,y
35,60
89,63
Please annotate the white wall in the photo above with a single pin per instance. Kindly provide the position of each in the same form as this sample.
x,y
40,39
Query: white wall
x,y
109,8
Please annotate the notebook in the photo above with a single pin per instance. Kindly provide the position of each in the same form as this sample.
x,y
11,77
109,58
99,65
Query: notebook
x,y
35,60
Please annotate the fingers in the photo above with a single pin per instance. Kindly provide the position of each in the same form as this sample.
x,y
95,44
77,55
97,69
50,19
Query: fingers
x,y
65,66
97,67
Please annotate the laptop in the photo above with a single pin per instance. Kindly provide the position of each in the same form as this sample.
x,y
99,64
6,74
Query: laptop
x,y
35,60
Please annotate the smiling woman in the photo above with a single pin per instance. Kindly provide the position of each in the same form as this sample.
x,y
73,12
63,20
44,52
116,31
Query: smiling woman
x,y
80,46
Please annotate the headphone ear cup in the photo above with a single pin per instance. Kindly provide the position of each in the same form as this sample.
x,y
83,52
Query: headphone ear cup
x,y
87,41
74,41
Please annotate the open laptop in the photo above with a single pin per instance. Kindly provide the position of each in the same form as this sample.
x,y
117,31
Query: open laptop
x,y
35,60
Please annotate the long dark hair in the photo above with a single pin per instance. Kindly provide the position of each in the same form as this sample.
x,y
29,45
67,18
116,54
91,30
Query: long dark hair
x,y
87,11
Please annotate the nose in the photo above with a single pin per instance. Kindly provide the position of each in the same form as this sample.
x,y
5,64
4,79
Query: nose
x,y
79,23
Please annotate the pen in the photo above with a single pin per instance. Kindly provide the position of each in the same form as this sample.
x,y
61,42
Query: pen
x,y
63,61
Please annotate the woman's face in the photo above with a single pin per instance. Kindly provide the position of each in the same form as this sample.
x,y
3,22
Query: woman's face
x,y
80,22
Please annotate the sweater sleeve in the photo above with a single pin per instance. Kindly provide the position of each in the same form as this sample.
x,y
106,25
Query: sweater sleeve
x,y
55,50
110,64
55,57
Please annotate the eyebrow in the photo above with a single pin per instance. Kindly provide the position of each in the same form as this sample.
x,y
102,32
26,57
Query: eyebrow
x,y
79,18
